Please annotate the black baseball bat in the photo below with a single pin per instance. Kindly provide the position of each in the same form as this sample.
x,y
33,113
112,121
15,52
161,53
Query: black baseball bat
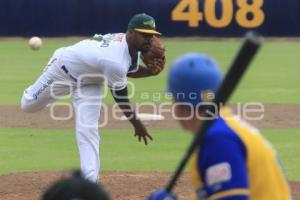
x,y
239,65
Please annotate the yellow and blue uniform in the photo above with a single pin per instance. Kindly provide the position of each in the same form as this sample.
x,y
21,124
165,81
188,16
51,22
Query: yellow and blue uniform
x,y
236,163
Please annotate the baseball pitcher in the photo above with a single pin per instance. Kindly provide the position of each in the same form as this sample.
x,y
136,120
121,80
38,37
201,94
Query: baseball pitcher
x,y
82,70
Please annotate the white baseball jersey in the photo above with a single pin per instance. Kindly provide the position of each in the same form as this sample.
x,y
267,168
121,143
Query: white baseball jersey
x,y
80,70
88,60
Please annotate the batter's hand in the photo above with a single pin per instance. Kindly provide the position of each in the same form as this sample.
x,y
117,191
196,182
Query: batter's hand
x,y
142,132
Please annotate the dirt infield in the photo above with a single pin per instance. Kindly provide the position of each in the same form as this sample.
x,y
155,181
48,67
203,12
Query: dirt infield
x,y
120,185
275,116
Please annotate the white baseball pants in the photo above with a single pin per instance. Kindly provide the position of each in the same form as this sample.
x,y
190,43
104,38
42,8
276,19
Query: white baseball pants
x,y
57,82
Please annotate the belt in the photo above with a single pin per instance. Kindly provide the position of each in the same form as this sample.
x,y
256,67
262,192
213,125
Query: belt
x,y
67,72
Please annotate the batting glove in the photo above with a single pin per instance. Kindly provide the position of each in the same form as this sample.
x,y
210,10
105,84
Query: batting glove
x,y
162,195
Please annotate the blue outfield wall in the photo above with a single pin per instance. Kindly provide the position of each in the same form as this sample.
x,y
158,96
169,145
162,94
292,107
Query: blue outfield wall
x,y
173,17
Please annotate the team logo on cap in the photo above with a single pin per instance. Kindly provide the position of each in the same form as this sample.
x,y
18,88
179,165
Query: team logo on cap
x,y
207,96
150,23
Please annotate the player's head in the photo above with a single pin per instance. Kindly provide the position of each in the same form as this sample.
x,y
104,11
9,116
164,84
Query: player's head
x,y
193,80
140,31
75,187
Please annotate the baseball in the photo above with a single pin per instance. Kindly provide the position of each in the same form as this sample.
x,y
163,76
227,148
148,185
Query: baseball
x,y
35,43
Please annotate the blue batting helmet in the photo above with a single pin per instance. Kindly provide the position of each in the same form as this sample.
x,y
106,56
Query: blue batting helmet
x,y
194,78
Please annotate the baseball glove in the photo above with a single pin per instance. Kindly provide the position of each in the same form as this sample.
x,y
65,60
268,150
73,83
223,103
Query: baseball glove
x,y
155,58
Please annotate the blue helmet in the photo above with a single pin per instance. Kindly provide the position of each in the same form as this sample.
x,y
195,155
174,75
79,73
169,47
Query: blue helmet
x,y
194,78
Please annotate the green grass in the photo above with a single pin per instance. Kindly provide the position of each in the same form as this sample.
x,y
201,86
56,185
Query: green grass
x,y
273,77
39,150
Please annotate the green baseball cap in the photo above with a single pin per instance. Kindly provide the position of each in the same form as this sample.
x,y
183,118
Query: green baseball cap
x,y
143,23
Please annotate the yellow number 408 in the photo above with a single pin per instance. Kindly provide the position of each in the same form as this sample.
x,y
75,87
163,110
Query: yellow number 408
x,y
245,9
